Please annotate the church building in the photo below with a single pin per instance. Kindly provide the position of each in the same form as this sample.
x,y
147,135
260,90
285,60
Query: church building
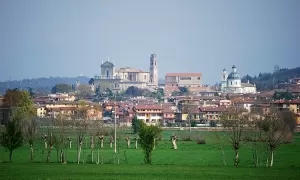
x,y
121,79
232,83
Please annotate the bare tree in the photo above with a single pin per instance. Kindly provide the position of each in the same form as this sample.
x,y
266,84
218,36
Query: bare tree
x,y
276,129
51,141
128,141
92,147
234,123
30,134
220,142
173,141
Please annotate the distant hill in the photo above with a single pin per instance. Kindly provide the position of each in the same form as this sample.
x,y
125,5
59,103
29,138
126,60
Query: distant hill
x,y
267,81
41,84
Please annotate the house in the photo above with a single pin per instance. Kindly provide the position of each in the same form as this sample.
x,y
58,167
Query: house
x,y
211,113
149,114
169,113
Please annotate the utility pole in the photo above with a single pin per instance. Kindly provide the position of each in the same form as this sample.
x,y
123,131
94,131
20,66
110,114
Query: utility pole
x,y
115,125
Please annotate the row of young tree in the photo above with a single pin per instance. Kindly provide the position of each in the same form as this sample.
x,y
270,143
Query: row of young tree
x,y
264,131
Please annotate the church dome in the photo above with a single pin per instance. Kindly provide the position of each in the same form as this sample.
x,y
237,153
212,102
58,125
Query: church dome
x,y
233,75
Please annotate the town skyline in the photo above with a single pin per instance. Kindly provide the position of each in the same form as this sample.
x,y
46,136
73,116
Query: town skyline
x,y
69,39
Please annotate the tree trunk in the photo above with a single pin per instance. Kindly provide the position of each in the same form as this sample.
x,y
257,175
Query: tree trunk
x,y
136,143
128,143
48,156
272,158
70,144
46,146
10,155
92,152
224,158
31,152
236,160
101,143
154,143
79,153
98,158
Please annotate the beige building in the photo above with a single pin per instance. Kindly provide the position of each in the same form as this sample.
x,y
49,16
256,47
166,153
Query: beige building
x,y
121,79
183,79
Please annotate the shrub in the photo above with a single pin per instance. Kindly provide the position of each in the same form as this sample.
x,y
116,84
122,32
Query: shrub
x,y
193,123
186,137
212,123
200,140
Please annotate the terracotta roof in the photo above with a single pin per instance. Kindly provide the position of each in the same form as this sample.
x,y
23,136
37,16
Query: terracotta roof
x,y
212,109
184,74
282,101
149,107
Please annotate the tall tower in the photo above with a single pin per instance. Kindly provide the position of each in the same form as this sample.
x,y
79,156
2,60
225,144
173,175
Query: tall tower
x,y
224,79
153,71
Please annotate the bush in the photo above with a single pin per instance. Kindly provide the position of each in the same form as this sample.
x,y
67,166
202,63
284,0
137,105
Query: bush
x,y
193,123
212,123
200,140
186,137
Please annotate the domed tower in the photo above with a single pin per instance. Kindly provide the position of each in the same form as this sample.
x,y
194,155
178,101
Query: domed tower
x,y
233,79
153,71
224,80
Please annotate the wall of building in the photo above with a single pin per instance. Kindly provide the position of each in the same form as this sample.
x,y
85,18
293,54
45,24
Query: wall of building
x,y
188,81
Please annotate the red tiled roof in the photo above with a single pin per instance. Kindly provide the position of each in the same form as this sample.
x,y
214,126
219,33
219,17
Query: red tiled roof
x,y
212,109
149,107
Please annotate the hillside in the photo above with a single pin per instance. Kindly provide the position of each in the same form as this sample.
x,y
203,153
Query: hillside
x,y
267,81
41,84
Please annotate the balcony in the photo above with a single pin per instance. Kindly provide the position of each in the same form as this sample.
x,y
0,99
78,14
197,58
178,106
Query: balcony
x,y
107,77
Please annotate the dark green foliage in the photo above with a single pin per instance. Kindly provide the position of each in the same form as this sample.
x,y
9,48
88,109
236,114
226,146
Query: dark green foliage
x,y
193,123
12,137
212,123
134,91
266,81
62,88
135,125
283,95
200,140
147,134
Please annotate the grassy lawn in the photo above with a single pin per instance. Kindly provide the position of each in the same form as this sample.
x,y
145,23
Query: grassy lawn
x,y
189,161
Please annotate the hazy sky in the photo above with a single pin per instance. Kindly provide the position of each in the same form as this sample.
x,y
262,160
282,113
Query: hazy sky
x,y
42,38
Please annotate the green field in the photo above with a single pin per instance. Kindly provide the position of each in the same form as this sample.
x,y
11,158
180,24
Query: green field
x,y
189,161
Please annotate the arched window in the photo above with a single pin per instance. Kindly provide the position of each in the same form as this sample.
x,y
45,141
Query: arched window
x,y
231,83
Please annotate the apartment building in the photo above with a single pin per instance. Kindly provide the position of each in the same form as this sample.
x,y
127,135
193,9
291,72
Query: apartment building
x,y
183,79
149,114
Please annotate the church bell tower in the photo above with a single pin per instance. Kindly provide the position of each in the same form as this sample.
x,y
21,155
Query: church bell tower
x,y
153,71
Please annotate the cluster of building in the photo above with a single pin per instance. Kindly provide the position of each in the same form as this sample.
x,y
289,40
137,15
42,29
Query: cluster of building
x,y
203,104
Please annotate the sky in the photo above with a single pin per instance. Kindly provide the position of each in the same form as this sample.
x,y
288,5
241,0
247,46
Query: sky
x,y
70,37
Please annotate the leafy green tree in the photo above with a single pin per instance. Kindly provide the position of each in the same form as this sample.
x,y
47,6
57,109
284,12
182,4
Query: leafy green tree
x,y
17,103
136,123
62,88
147,136
12,137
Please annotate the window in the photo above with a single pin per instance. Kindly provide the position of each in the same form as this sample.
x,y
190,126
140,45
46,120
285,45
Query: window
x,y
185,78
145,77
200,78
231,83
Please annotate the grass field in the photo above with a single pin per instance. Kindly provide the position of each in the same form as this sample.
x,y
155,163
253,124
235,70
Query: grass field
x,y
189,161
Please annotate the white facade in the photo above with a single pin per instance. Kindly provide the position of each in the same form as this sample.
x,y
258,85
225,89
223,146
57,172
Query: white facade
x,y
123,78
232,83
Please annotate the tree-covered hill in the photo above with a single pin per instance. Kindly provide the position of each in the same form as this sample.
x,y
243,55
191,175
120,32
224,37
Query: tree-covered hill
x,y
267,81
41,84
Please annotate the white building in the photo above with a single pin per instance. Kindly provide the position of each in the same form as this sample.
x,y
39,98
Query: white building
x,y
121,79
232,83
